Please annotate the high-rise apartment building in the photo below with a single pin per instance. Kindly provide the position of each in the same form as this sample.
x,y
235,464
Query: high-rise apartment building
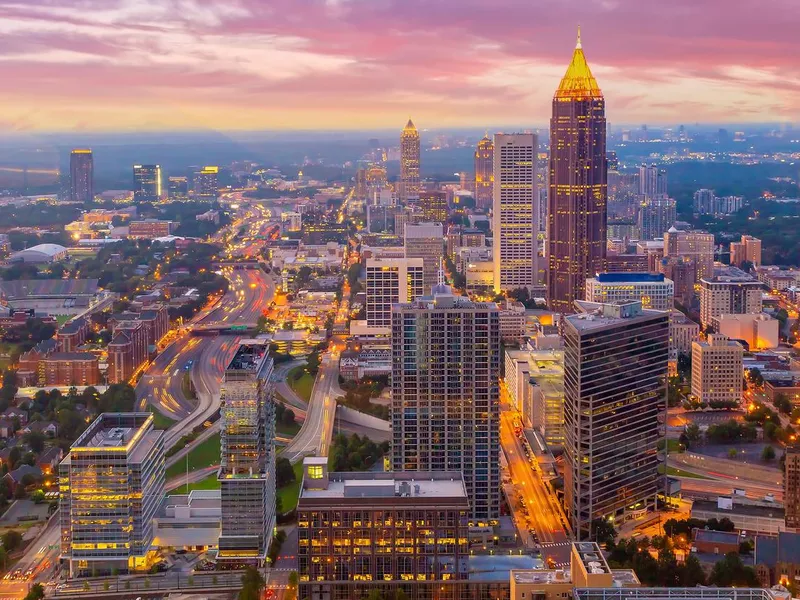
x,y
484,173
206,183
366,531
576,231
656,215
615,403
791,488
696,245
81,175
178,188
746,250
717,369
390,281
653,290
409,184
516,205
652,181
683,273
146,182
247,455
706,202
426,241
433,205
111,483
730,291
445,394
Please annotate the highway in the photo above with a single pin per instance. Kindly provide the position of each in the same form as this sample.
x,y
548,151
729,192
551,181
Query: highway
x,y
41,559
543,515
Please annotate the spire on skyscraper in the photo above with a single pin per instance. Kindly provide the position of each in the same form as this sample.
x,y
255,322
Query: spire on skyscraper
x,y
410,125
578,82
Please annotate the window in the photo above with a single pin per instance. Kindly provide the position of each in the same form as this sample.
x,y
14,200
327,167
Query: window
x,y
315,472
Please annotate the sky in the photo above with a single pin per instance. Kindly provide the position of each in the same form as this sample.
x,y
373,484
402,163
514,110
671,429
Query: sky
x,y
145,65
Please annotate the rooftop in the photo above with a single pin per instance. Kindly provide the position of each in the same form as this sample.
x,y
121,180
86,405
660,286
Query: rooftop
x,y
442,485
115,431
597,315
249,356
578,82
754,510
26,288
729,274
630,277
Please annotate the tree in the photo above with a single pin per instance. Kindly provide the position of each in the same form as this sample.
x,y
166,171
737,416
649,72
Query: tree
x,y
732,453
783,404
11,540
731,571
768,453
755,377
602,531
35,440
284,472
37,496
252,584
693,573
693,432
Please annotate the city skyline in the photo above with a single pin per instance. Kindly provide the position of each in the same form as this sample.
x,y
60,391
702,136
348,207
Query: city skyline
x,y
237,66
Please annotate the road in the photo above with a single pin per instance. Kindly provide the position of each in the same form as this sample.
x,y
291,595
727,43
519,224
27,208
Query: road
x,y
41,558
314,436
543,515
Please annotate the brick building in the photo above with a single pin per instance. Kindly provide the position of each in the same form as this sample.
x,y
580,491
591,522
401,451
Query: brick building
x,y
70,368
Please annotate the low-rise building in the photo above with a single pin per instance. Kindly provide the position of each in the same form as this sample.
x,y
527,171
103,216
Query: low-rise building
x,y
717,370
708,541
150,229
70,368
72,334
777,559
764,518
759,331
653,290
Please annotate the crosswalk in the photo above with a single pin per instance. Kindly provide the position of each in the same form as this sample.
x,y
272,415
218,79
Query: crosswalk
x,y
555,544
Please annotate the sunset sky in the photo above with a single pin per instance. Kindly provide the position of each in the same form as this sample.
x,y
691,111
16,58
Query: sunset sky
x,y
83,65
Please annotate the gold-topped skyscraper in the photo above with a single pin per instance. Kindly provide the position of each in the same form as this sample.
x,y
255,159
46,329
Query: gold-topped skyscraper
x,y
409,162
576,215
484,172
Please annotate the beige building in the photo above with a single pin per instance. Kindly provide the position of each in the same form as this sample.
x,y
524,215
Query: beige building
x,y
760,331
717,369
390,281
682,333
748,249
697,245
729,291
426,241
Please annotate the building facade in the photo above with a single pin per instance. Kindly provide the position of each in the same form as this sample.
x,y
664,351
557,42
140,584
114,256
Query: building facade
x,y
146,183
615,403
409,184
730,291
656,215
748,249
111,484
445,394
791,488
247,455
717,369
576,232
653,290
689,244
81,175
426,241
206,183
516,204
178,188
484,173
390,281
433,205
70,368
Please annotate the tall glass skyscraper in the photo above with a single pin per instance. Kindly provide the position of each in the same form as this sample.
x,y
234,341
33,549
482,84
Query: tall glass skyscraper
x,y
409,162
81,175
147,182
484,172
576,228
615,404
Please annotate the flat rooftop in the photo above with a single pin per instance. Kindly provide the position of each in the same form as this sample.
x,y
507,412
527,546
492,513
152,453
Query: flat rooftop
x,y
630,278
117,431
599,315
249,355
750,510
404,486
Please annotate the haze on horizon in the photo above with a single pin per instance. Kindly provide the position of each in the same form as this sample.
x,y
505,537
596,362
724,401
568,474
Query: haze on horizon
x,y
148,65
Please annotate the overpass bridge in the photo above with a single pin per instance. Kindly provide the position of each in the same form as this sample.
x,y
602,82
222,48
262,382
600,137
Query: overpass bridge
x,y
213,329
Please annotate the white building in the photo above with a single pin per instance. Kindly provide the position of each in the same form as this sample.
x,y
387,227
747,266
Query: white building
x,y
717,369
653,290
516,206
729,291
292,221
390,281
760,331
41,254
683,332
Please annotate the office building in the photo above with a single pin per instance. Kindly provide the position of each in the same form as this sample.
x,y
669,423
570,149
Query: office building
x,y
390,281
81,175
426,241
652,182
206,183
146,183
656,216
627,263
653,290
759,331
292,221
791,488
111,484
717,369
445,394
576,233
484,173
178,188
729,291
690,244
615,403
374,531
70,369
247,455
683,332
746,250
433,205
150,229
516,205
535,383
683,273
409,184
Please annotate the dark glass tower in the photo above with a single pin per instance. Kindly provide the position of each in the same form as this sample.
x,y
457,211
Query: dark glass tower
x,y
576,215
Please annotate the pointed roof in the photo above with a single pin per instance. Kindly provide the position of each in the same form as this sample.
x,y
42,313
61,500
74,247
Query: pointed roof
x,y
578,82
409,126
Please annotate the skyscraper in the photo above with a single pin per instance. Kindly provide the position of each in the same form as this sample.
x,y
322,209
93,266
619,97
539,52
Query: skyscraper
x,y
576,233
791,488
484,173
615,401
434,206
247,462
691,244
111,483
426,241
147,182
652,181
81,175
178,188
516,208
390,281
656,215
409,162
206,183
445,394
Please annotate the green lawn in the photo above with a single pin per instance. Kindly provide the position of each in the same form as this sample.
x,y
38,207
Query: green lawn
x,y
673,446
201,456
303,386
287,430
160,421
61,319
209,483
290,493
